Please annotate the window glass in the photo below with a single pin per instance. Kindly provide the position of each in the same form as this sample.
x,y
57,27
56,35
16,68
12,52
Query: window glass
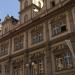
x,y
26,3
58,26
18,42
37,34
63,61
4,48
18,67
38,63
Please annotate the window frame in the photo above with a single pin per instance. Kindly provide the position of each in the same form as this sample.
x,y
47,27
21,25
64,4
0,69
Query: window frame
x,y
61,55
59,22
35,33
19,40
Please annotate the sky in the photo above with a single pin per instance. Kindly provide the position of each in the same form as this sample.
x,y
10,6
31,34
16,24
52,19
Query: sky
x,y
9,7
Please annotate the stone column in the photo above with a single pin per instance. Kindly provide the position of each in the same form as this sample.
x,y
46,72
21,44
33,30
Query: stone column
x,y
73,45
48,61
26,64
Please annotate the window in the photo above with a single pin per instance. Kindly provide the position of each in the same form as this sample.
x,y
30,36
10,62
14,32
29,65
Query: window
x,y
38,3
63,61
18,42
18,67
26,4
38,63
6,30
52,3
37,34
6,68
58,26
26,18
4,49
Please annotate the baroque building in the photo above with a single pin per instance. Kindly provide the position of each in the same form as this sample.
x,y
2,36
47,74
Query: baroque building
x,y
41,42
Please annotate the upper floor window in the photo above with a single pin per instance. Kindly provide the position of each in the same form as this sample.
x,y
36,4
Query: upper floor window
x,y
58,26
18,42
63,61
26,4
52,3
4,49
37,34
5,30
26,18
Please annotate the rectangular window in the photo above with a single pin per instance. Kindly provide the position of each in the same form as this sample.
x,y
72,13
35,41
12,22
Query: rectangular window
x,y
18,42
6,68
37,34
4,48
18,66
38,63
63,61
58,26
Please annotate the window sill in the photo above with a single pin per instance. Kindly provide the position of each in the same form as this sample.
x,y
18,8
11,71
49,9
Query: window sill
x,y
59,35
65,71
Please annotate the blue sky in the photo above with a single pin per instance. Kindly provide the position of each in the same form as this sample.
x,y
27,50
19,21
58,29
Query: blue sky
x,y
10,7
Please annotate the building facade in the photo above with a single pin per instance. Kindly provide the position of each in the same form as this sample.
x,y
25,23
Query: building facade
x,y
41,42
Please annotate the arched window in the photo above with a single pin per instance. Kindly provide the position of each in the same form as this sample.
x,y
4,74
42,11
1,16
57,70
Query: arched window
x,y
26,3
26,18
